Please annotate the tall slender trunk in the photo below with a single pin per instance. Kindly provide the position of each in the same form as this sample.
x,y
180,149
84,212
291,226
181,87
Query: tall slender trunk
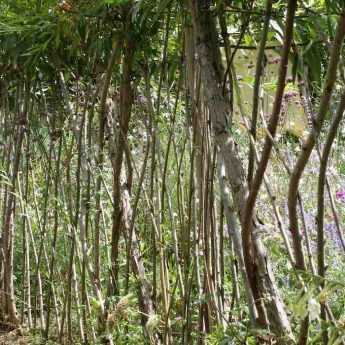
x,y
320,205
9,310
126,101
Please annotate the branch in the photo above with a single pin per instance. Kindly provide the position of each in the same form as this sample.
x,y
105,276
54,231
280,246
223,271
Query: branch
x,y
272,127
311,140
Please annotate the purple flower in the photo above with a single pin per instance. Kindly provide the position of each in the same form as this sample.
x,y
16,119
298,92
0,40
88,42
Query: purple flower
x,y
309,219
340,195
332,234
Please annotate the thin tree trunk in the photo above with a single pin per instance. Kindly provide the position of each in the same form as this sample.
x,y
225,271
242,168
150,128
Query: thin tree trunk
x,y
309,144
320,205
9,309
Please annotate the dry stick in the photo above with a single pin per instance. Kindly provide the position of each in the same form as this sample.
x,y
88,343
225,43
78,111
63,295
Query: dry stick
x,y
286,240
5,161
83,226
72,235
320,205
272,128
190,107
256,90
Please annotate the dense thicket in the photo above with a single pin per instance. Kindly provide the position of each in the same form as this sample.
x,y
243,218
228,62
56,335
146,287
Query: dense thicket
x,y
172,172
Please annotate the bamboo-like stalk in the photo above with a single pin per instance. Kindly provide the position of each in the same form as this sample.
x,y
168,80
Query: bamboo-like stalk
x,y
320,202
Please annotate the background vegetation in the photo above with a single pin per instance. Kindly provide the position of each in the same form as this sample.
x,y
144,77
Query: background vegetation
x,y
172,172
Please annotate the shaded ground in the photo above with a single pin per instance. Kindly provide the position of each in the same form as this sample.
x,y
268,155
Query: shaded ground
x,y
15,337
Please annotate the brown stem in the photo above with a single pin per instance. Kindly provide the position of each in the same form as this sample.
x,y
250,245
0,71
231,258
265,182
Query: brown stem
x,y
256,90
272,128
320,205
309,144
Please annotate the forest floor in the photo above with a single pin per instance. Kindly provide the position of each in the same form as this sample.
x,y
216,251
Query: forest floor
x,y
14,338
